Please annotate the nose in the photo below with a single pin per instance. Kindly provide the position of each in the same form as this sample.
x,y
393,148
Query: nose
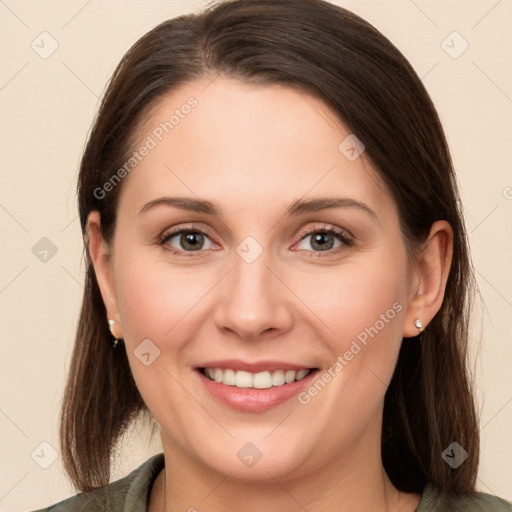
x,y
253,301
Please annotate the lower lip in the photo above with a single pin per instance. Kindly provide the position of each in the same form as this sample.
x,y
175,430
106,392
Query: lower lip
x,y
251,399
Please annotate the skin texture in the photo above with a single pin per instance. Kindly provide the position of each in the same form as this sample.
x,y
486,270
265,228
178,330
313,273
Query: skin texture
x,y
254,150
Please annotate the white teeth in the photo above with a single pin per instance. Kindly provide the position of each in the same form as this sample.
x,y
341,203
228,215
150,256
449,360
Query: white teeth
x,y
260,380
301,374
229,377
242,379
289,376
278,378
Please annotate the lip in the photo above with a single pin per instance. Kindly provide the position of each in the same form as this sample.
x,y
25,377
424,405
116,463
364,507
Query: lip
x,y
252,367
251,399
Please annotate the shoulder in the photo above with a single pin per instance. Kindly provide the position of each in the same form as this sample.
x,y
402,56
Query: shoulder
x,y
432,500
130,493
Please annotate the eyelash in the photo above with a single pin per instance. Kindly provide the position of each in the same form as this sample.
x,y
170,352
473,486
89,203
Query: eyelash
x,y
346,240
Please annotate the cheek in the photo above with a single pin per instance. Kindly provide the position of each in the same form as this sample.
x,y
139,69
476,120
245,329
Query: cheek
x,y
160,304
360,309
156,300
353,300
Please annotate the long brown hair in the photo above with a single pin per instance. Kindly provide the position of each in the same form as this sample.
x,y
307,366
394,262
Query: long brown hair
x,y
329,52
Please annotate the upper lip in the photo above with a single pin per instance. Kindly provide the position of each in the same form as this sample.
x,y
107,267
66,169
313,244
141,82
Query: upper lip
x,y
253,366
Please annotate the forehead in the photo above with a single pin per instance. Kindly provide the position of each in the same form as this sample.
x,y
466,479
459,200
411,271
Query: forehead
x,y
249,147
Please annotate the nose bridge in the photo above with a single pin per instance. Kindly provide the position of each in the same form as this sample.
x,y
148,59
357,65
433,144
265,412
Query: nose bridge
x,y
250,281
253,300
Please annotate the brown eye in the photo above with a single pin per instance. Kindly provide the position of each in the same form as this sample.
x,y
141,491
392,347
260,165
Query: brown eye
x,y
186,240
326,240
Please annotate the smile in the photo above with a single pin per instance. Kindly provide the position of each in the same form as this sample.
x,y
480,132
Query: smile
x,y
253,387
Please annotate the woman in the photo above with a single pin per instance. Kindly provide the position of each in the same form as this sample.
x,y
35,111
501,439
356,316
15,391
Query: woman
x,y
277,273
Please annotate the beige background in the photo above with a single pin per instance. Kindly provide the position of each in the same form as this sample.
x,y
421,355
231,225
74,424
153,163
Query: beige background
x,y
47,106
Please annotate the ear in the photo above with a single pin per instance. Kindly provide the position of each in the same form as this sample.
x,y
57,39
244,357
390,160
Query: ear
x,y
429,274
101,258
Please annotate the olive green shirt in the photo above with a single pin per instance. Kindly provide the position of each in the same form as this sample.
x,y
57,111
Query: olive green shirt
x,y
131,494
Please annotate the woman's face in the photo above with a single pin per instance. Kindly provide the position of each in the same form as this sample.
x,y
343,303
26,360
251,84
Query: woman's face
x,y
258,283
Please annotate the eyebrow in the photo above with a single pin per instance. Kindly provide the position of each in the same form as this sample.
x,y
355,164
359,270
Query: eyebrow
x,y
296,208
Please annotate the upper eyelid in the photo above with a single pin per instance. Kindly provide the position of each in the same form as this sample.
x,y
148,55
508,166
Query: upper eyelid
x,y
303,233
176,231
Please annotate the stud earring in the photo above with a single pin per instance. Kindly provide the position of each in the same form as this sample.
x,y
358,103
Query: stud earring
x,y
418,324
111,328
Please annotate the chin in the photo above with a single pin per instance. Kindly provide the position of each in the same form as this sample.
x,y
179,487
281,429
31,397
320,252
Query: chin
x,y
257,460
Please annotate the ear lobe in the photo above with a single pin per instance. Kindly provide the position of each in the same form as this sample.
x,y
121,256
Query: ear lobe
x,y
429,277
101,259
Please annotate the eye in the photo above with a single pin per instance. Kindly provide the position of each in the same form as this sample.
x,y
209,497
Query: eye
x,y
325,240
186,240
